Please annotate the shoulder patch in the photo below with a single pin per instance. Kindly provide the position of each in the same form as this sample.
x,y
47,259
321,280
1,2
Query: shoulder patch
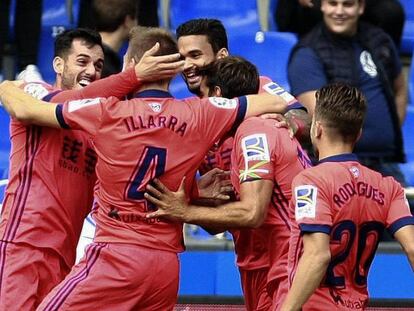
x,y
305,201
82,103
275,89
224,103
255,148
36,90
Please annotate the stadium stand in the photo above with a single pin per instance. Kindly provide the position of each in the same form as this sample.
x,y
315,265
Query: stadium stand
x,y
4,142
269,51
407,41
57,16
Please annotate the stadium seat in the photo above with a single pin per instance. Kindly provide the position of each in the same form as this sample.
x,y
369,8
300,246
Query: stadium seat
x,y
269,51
3,184
411,84
237,16
178,88
55,18
408,130
407,41
4,142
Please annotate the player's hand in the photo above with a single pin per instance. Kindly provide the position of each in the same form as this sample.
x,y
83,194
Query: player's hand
x,y
215,184
171,205
282,122
151,67
306,3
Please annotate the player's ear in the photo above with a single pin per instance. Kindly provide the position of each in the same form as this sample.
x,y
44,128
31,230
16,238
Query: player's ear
x,y
58,64
217,91
222,53
359,134
318,129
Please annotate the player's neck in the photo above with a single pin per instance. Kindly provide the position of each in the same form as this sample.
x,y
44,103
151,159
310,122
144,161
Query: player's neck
x,y
329,149
158,85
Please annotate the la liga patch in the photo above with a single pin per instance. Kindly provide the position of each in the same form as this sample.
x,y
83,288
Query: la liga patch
x,y
305,201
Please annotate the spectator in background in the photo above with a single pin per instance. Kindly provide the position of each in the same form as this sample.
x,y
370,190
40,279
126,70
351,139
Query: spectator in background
x,y
344,49
114,19
27,25
147,13
300,16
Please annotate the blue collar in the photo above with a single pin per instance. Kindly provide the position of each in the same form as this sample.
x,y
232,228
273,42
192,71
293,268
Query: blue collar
x,y
153,94
340,158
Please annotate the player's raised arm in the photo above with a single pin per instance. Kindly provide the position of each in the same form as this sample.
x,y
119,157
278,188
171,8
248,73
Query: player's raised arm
x,y
26,108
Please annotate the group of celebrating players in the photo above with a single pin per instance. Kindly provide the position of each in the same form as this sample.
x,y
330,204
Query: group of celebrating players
x,y
304,237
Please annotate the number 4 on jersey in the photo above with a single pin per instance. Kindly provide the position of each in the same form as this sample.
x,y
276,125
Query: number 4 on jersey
x,y
151,164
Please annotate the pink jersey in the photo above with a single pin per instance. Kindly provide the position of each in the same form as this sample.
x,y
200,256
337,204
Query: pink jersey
x,y
152,135
52,174
353,204
262,151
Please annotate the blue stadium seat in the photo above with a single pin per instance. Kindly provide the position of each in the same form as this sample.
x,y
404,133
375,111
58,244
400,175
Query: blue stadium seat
x,y
269,51
408,133
55,19
4,142
411,84
237,16
178,88
407,41
3,184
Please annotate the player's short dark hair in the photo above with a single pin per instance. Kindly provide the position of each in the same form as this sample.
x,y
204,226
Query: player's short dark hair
x,y
142,39
342,108
234,75
212,28
110,14
63,41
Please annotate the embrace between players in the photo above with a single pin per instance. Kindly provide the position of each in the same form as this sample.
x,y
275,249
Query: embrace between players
x,y
296,246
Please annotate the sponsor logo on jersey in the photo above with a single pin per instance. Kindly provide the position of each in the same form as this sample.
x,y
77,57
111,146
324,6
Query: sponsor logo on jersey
x,y
36,90
156,107
225,103
305,201
82,103
255,148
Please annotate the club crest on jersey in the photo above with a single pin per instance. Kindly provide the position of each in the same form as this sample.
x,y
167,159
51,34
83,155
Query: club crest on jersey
x,y
305,201
255,148
36,90
156,107
82,103
225,103
354,171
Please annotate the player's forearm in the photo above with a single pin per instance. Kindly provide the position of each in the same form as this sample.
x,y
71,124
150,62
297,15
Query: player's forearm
x,y
117,85
265,103
231,215
311,269
26,108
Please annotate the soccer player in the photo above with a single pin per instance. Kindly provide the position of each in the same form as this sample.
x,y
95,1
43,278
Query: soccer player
x,y
52,175
202,41
339,211
264,160
133,262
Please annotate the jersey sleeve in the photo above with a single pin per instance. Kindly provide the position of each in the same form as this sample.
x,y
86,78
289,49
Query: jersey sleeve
x,y
399,214
216,116
252,152
117,85
311,204
85,114
305,72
